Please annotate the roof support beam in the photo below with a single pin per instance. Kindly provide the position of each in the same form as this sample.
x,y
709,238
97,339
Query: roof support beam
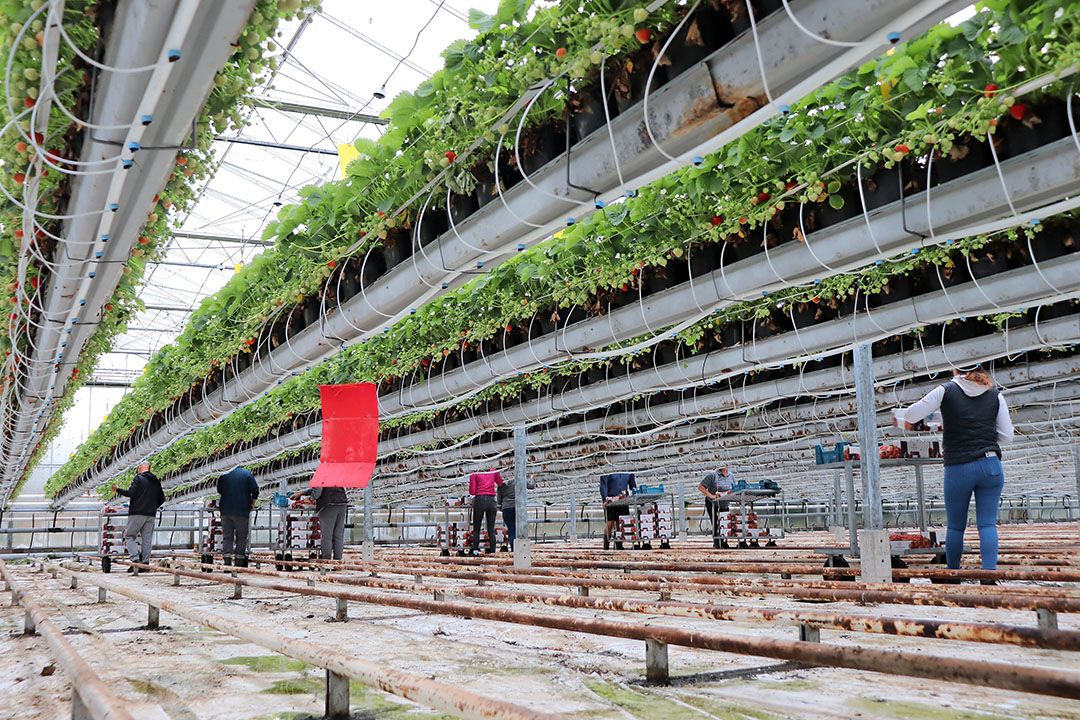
x,y
305,109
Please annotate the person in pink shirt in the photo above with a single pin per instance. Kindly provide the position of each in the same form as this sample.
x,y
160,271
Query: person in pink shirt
x,y
482,486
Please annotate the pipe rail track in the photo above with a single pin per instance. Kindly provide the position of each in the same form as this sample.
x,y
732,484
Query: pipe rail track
x,y
418,689
1038,680
90,697
910,627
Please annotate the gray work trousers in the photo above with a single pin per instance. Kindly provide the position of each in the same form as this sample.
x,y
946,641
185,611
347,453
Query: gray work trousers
x,y
332,527
234,535
141,527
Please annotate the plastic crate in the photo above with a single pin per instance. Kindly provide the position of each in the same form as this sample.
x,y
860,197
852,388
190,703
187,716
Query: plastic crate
x,y
824,457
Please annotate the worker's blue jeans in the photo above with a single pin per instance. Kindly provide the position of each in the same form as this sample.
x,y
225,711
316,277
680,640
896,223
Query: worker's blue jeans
x,y
509,518
984,478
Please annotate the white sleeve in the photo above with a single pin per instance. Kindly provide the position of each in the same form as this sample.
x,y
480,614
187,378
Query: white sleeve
x,y
930,403
1004,423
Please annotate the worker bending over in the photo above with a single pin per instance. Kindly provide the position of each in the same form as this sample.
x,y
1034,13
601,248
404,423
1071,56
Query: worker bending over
x,y
332,503
714,486
614,486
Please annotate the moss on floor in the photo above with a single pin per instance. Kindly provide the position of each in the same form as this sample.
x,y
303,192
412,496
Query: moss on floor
x,y
267,663
920,711
296,686
648,705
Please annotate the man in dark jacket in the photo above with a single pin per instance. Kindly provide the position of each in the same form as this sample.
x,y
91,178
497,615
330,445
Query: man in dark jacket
x,y
146,497
333,505
238,491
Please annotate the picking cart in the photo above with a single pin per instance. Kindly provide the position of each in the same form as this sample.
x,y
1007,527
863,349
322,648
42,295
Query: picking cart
x,y
742,522
649,520
212,540
299,534
112,523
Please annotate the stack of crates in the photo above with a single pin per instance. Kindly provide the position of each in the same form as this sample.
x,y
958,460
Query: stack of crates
x,y
655,525
751,532
112,534
299,535
502,540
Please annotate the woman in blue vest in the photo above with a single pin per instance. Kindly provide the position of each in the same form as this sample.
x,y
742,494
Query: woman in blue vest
x,y
975,424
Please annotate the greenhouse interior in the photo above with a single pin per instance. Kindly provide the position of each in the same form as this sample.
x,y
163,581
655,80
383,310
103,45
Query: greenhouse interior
x,y
536,359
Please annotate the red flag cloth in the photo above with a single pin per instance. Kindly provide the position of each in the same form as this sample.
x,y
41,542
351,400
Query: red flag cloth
x,y
350,435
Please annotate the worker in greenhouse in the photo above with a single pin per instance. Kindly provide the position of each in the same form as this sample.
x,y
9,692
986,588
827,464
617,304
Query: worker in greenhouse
x,y
482,486
975,424
506,496
714,486
146,497
614,486
332,504
238,491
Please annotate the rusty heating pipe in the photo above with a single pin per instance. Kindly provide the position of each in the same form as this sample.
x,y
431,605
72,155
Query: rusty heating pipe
x,y
1007,676
86,686
417,567
421,690
909,627
849,592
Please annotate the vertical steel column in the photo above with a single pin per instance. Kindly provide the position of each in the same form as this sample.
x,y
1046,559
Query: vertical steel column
x,y
853,538
920,496
369,526
684,529
283,513
573,517
875,557
837,514
337,696
1076,467
522,544
869,462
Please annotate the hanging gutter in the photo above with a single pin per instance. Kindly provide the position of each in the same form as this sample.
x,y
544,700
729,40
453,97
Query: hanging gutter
x,y
172,94
706,107
958,209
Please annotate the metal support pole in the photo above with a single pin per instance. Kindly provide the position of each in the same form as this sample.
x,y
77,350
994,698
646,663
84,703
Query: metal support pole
x,y
920,496
522,544
656,663
238,591
369,526
583,590
29,626
684,529
853,538
1048,619
337,696
573,517
809,633
153,617
869,462
838,519
101,594
1076,467
341,610
74,582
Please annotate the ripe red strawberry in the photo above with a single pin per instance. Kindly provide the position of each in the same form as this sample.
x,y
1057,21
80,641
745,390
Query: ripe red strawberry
x,y
451,155
39,138
1018,110
990,90
34,282
763,197
108,307
903,149
560,53
19,178
19,233
20,147
716,220
143,240
29,102
643,35
332,264
509,328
